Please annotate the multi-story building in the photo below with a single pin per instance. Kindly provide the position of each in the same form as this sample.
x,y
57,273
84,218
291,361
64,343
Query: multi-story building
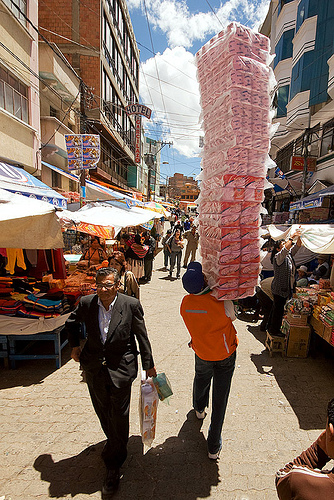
x,y
20,139
60,115
301,34
98,41
181,187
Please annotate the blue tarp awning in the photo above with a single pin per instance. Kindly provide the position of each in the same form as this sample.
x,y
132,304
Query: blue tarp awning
x,y
16,180
313,200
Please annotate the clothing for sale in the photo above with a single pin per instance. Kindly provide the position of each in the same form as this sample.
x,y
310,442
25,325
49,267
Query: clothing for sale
x,y
299,479
212,333
15,257
9,307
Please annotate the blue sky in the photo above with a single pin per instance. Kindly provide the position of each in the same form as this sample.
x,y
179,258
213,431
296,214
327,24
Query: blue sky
x,y
169,33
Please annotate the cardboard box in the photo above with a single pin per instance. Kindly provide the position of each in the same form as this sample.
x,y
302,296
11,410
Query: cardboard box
x,y
298,341
318,326
297,319
327,335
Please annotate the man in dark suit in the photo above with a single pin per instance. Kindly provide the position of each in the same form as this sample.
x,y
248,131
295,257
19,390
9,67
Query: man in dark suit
x,y
109,358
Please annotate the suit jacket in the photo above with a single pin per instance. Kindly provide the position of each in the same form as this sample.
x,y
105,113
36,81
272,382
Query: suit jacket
x,y
119,353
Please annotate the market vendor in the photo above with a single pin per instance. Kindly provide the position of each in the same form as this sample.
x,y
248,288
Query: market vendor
x,y
322,270
302,280
284,278
95,253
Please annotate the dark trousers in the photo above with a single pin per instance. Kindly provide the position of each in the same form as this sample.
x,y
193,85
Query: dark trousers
x,y
266,305
276,317
221,372
166,256
112,406
148,266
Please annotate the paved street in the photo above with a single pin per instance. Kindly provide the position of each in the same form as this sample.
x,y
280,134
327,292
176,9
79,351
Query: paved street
x,y
50,438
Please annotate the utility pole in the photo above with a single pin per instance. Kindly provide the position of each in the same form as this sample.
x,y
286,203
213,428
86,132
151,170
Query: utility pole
x,y
306,154
83,130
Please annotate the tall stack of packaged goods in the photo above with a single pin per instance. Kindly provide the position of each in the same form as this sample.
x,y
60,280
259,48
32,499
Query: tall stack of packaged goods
x,y
235,84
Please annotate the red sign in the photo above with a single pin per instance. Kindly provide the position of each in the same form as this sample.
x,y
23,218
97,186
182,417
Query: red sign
x,y
138,139
297,163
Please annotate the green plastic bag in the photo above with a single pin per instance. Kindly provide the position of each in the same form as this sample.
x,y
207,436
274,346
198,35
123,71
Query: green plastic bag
x,y
163,387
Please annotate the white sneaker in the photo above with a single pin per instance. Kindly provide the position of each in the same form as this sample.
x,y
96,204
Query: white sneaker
x,y
214,456
200,414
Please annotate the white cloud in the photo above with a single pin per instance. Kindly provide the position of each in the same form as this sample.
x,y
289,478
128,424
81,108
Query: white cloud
x,y
169,86
175,101
183,27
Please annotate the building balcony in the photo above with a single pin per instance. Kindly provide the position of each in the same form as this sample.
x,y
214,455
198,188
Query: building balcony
x,y
283,72
304,40
298,110
286,19
52,128
330,89
57,73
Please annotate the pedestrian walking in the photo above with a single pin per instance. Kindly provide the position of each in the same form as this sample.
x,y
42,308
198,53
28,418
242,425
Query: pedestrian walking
x,y
175,246
135,254
214,340
192,238
113,323
149,257
165,249
128,285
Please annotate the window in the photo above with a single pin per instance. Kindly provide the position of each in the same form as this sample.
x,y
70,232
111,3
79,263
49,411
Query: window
x,y
282,98
22,4
327,142
56,179
283,157
13,95
54,113
284,47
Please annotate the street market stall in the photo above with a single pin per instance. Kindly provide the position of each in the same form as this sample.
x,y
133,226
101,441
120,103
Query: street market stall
x,y
31,304
311,308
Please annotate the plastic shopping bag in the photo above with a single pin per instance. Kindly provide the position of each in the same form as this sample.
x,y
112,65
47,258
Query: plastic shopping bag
x,y
163,386
148,405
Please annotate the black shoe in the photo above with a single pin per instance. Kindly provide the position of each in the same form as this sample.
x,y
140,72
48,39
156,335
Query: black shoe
x,y
184,267
111,483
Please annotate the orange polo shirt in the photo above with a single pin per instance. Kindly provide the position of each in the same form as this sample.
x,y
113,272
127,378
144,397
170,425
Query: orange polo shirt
x,y
213,335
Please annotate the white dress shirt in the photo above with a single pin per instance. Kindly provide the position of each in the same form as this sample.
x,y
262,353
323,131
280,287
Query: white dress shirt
x,y
104,318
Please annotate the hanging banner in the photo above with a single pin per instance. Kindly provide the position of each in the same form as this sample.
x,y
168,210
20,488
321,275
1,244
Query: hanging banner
x,y
83,151
108,233
138,139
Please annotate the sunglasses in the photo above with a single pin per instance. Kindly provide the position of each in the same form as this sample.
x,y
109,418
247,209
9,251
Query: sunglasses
x,y
107,286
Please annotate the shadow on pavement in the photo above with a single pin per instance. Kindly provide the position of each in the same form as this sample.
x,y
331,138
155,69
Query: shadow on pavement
x,y
178,469
29,372
307,383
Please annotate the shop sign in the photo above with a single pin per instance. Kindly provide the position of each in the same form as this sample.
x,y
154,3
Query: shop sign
x,y
138,109
297,163
83,151
138,139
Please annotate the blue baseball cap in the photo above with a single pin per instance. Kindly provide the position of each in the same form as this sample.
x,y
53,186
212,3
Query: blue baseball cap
x,y
193,279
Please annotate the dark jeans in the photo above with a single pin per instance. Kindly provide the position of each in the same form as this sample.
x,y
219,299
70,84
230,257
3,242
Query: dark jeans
x,y
166,257
112,406
221,372
277,311
175,256
266,306
148,266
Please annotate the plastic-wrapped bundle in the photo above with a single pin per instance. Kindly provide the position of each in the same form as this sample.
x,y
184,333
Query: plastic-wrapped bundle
x,y
235,83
